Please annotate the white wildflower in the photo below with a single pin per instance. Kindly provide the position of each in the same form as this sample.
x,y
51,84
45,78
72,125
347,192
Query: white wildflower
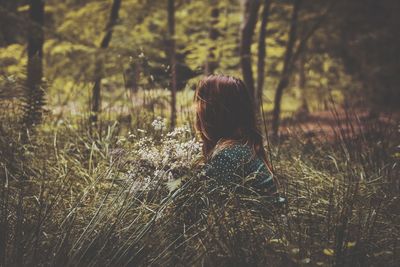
x,y
159,157
159,124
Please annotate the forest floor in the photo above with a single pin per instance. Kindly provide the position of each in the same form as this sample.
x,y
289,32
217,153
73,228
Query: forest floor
x,y
333,123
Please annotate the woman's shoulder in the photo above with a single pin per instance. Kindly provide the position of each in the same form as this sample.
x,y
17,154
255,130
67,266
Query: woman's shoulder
x,y
235,152
225,161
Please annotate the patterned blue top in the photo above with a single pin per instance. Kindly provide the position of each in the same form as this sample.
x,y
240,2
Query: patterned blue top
x,y
236,165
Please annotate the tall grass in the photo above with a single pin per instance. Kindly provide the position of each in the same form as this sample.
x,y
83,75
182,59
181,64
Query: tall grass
x,y
74,197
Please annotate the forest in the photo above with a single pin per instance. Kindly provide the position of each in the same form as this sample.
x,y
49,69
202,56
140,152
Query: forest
x,y
101,162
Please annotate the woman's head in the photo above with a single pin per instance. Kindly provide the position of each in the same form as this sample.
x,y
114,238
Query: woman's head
x,y
225,114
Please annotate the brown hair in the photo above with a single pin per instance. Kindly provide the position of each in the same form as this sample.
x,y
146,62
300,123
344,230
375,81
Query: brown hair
x,y
225,115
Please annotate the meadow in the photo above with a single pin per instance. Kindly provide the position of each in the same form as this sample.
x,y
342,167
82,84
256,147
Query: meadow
x,y
120,195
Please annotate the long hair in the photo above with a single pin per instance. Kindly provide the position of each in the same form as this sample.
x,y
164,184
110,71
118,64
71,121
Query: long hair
x,y
225,115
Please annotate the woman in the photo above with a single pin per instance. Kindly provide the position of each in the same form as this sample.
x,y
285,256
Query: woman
x,y
232,145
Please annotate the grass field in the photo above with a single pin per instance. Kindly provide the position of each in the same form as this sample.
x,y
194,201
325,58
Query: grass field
x,y
127,195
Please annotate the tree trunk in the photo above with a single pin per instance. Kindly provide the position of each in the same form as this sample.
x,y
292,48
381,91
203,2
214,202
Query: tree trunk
x,y
35,95
304,110
171,39
211,61
251,8
261,55
287,68
98,74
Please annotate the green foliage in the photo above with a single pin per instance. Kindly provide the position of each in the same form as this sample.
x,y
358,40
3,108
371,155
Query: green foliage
x,y
75,29
12,60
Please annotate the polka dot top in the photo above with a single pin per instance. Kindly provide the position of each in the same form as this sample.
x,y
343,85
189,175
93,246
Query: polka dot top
x,y
236,165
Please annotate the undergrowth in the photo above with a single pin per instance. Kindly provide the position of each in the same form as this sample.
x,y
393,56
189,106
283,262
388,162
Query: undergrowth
x,y
74,197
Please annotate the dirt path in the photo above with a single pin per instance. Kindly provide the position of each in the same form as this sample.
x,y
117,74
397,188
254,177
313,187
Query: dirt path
x,y
331,124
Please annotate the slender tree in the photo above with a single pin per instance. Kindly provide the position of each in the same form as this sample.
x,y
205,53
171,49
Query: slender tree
x,y
262,54
250,15
211,61
35,95
304,110
172,59
287,65
291,57
98,75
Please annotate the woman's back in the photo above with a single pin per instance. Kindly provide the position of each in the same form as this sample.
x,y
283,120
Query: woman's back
x,y
236,165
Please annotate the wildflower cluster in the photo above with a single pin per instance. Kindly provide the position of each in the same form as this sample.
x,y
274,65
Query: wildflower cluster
x,y
166,158
159,124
